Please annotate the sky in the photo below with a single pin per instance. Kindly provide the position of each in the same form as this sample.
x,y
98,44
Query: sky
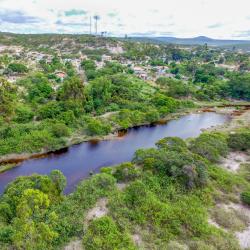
x,y
222,19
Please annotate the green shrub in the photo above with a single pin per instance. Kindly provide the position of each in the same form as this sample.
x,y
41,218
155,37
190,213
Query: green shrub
x,y
18,67
59,130
97,127
239,140
245,197
212,146
24,114
126,172
104,234
152,115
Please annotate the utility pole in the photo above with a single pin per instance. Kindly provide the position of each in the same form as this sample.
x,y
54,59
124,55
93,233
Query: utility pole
x,y
96,17
90,25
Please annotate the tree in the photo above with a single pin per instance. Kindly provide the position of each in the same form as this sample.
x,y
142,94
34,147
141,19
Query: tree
x,y
59,180
7,99
97,127
32,232
211,146
100,91
239,86
39,88
72,89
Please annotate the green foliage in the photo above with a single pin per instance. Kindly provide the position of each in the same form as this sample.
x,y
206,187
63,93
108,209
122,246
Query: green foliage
x,y
239,140
245,197
17,68
175,88
59,130
25,205
104,234
210,145
239,86
124,172
24,114
171,143
97,127
172,158
7,99
50,110
72,89
39,88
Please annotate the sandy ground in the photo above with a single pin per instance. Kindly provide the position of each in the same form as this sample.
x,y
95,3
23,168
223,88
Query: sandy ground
x,y
234,159
121,186
74,245
213,223
98,211
137,240
242,236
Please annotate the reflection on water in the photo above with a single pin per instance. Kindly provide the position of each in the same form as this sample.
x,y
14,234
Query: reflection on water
x,y
79,160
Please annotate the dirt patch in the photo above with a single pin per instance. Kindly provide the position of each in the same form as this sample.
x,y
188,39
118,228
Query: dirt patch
x,y
242,212
213,223
74,245
244,238
137,240
98,211
234,159
121,186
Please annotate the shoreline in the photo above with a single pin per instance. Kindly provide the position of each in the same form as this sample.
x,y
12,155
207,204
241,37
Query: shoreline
x,y
15,159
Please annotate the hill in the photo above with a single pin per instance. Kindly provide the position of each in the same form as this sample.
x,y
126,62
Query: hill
x,y
200,40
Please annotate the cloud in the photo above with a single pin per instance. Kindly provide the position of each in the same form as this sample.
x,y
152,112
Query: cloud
x,y
71,24
17,17
244,33
215,25
112,14
75,12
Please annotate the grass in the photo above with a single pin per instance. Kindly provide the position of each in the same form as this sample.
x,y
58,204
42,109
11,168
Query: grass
x,y
244,171
229,218
7,167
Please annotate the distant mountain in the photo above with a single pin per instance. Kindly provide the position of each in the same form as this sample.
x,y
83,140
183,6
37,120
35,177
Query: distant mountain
x,y
200,40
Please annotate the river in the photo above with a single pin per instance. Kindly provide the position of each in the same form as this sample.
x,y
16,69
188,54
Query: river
x,y
78,161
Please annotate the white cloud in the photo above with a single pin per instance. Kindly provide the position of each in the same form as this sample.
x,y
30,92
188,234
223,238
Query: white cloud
x,y
214,18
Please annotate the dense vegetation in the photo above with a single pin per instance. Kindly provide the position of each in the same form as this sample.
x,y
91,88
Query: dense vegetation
x,y
169,192
56,90
36,111
54,102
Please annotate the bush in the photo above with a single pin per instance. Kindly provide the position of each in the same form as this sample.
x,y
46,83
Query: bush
x,y
239,140
97,127
24,114
245,197
126,172
18,67
152,116
49,110
173,143
59,130
104,234
212,146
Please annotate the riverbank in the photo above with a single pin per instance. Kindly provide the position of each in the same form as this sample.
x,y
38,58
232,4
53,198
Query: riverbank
x,y
80,138
117,132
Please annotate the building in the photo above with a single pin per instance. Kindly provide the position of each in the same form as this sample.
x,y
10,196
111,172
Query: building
x,y
61,75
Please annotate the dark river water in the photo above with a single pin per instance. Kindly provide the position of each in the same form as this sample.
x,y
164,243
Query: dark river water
x,y
79,160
